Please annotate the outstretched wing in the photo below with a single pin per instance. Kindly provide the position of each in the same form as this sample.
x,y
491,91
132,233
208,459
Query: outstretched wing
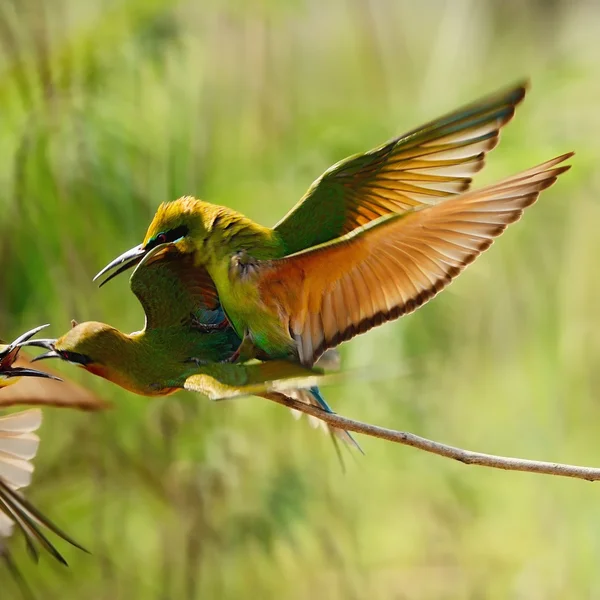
x,y
394,265
418,168
220,381
170,288
18,446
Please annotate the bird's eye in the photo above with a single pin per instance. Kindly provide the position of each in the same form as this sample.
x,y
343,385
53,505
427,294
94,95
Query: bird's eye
x,y
75,357
166,237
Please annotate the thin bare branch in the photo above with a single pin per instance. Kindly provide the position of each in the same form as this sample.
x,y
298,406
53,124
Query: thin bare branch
x,y
465,456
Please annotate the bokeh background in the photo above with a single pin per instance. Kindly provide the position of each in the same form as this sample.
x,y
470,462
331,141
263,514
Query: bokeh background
x,y
110,107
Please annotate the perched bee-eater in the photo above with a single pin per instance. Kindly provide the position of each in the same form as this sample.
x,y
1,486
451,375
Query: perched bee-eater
x,y
170,353
419,168
18,446
298,306
9,373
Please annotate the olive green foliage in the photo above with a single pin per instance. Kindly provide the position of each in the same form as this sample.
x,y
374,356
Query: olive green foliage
x,y
109,108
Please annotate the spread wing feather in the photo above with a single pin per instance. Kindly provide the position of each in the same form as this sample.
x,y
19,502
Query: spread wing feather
x,y
418,168
170,288
18,446
393,265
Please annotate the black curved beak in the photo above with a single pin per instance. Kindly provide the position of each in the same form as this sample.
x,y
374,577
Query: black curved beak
x,y
48,344
20,341
10,353
45,355
125,261
25,372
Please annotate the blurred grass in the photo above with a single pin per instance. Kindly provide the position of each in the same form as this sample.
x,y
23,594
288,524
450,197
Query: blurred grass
x,y
109,108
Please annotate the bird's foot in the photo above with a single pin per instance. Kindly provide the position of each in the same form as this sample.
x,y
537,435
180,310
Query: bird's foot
x,y
246,351
195,323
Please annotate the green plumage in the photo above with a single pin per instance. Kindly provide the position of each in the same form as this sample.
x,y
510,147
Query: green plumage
x,y
171,353
417,169
420,167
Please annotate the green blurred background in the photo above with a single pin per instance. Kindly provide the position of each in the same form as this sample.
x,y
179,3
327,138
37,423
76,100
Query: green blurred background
x,y
110,107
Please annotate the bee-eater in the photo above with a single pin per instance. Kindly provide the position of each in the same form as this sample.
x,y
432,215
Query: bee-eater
x,y
420,168
10,374
298,306
18,446
170,353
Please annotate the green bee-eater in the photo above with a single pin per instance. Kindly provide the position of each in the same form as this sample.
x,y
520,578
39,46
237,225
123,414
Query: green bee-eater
x,y
170,353
298,306
419,168
18,446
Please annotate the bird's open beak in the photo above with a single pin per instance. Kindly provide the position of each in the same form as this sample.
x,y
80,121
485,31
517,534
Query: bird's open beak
x,y
10,353
20,341
49,354
125,261
25,372
48,344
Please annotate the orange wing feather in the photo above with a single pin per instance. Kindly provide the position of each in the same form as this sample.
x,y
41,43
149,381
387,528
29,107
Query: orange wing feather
x,y
421,167
195,278
390,267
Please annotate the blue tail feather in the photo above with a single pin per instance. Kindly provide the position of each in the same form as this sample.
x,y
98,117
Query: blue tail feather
x,y
323,404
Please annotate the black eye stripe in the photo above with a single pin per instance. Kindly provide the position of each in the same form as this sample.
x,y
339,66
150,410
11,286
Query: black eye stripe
x,y
75,357
165,237
177,233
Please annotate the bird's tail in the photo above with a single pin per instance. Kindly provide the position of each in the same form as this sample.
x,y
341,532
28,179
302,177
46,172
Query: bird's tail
x,y
18,447
313,396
